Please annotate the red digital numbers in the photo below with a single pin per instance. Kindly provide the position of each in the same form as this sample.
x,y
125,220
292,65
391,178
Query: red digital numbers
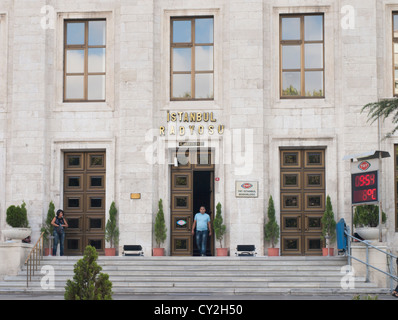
x,y
365,180
364,187
365,195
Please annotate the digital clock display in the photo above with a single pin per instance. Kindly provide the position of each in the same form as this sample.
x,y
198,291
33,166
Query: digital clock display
x,y
364,187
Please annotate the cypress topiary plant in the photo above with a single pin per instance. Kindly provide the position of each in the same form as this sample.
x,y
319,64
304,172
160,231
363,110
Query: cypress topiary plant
x,y
47,227
271,229
328,223
88,282
111,229
17,216
219,228
160,225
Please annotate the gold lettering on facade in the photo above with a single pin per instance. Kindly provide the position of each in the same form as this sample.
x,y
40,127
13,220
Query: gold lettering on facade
x,y
211,129
201,129
187,117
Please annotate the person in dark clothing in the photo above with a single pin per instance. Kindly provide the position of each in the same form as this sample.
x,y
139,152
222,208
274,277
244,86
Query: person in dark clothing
x,y
59,223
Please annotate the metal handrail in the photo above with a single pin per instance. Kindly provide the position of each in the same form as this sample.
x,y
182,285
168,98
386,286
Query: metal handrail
x,y
390,258
36,254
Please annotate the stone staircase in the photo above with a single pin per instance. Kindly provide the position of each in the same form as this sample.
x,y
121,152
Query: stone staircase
x,y
204,276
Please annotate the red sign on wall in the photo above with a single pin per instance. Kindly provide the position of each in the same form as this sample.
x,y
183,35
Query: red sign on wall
x,y
364,165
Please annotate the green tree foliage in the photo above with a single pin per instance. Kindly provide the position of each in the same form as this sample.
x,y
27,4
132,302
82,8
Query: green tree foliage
x,y
17,216
315,93
219,228
88,282
111,229
271,229
160,225
382,110
328,222
47,227
290,91
368,216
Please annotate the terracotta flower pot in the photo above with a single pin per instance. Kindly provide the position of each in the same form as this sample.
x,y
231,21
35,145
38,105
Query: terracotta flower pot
x,y
158,252
273,252
222,252
110,251
325,252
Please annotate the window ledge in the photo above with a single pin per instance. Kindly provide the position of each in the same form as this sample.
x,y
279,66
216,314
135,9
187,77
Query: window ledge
x,y
191,105
302,103
83,107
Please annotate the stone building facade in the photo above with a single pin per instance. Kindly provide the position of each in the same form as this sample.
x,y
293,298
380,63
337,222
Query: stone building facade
x,y
283,81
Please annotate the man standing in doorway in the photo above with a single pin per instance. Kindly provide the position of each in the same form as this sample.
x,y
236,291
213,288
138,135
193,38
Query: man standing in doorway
x,y
203,229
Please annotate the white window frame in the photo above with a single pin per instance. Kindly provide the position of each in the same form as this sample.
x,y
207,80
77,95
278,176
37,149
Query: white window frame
x,y
87,106
328,11
167,103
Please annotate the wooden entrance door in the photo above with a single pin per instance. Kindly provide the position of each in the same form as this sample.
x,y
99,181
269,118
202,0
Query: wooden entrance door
x,y
302,201
84,201
186,196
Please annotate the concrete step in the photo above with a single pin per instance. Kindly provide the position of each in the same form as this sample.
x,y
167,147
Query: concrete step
x,y
121,281
203,275
213,291
197,261
205,271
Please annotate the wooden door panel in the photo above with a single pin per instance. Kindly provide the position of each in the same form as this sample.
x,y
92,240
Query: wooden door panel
x,y
182,211
302,195
84,201
182,222
181,180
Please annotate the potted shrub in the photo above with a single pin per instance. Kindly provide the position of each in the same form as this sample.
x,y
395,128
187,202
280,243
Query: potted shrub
x,y
48,228
271,229
88,283
17,219
160,230
219,230
328,229
112,231
366,221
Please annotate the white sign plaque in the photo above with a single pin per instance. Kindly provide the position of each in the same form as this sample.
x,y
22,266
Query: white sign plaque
x,y
246,189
